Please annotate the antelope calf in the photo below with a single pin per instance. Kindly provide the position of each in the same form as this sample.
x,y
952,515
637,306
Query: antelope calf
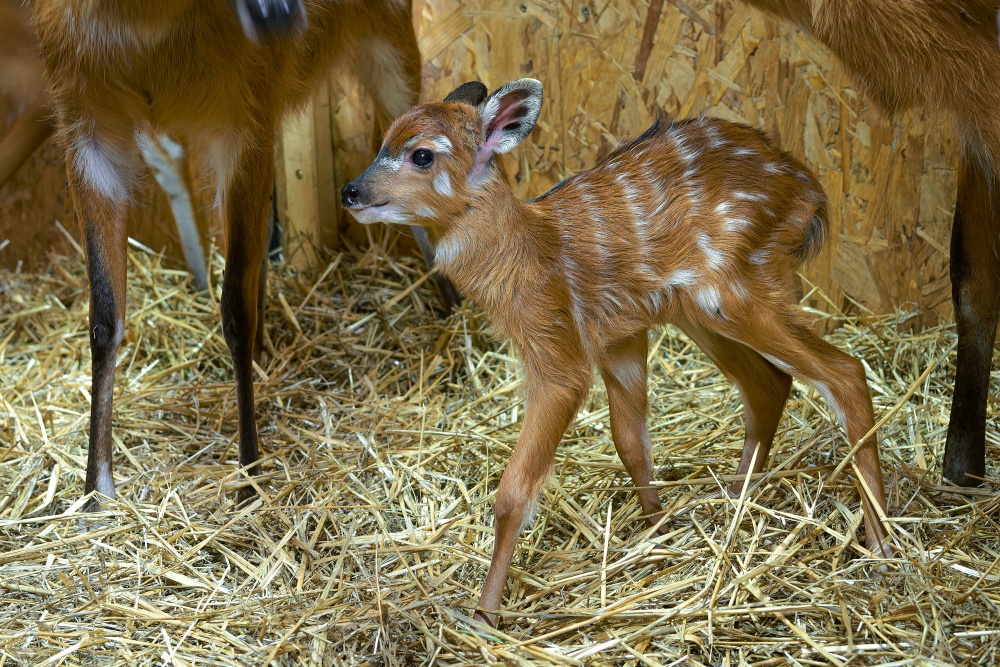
x,y
217,75
701,224
942,55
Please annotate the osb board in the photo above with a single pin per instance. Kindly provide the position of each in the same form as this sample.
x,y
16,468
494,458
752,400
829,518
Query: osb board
x,y
891,182
36,197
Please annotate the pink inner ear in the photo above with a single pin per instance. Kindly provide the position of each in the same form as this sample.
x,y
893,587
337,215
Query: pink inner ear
x,y
512,110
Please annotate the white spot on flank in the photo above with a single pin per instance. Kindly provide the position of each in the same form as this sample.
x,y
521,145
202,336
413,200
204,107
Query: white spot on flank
x,y
749,196
740,291
442,184
744,151
425,211
735,224
682,278
723,208
713,256
685,152
760,257
103,168
448,249
772,168
709,299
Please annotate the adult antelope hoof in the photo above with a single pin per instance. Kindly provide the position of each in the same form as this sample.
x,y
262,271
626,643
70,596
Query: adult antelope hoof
x,y
244,496
963,472
271,18
489,619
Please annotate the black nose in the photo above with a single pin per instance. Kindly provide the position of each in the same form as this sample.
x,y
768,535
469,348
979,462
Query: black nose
x,y
350,194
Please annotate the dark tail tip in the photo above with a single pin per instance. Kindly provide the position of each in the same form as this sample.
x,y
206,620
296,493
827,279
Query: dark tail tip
x,y
814,237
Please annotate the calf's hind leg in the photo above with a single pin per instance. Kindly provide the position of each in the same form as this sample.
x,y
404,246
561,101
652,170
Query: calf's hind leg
x,y
777,334
763,390
623,368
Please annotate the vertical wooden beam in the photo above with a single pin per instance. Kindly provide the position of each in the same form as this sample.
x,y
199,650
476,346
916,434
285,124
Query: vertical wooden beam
x,y
327,192
295,175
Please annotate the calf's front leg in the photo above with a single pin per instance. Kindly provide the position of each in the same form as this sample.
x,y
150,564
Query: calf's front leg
x,y
550,409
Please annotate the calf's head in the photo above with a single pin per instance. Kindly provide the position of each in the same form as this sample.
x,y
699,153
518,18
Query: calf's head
x,y
437,158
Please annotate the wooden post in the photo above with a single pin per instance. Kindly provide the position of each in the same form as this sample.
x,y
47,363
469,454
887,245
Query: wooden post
x,y
307,202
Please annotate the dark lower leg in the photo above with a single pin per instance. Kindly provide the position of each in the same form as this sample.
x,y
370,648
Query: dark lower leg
x,y
246,230
105,224
976,297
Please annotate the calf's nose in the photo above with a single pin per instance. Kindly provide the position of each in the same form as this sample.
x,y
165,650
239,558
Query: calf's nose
x,y
350,194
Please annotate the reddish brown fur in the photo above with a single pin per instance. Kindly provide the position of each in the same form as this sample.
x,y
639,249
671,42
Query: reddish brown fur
x,y
941,55
702,224
186,68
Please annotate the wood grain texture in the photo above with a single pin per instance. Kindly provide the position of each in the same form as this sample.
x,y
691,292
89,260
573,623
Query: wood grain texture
x,y
607,69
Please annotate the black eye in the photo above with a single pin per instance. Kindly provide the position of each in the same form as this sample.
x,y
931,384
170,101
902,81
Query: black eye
x,y
423,157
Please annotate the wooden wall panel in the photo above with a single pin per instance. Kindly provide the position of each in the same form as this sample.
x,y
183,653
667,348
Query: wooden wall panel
x,y
608,66
891,182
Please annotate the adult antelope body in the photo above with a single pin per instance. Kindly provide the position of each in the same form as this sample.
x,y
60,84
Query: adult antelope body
x,y
218,75
701,224
942,55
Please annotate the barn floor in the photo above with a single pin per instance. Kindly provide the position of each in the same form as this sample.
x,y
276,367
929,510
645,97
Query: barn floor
x,y
385,431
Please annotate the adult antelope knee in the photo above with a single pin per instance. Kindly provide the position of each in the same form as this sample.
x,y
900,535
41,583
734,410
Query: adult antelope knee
x,y
699,223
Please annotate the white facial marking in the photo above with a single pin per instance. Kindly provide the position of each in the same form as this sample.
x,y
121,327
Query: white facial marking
x,y
389,162
103,168
410,143
442,184
389,213
441,144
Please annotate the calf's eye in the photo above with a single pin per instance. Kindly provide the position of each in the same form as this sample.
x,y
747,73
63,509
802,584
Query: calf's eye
x,y
423,157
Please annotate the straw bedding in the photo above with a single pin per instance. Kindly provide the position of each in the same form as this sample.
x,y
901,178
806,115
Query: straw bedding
x,y
385,430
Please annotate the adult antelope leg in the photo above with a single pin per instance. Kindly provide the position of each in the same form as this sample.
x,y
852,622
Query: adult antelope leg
x,y
975,283
246,212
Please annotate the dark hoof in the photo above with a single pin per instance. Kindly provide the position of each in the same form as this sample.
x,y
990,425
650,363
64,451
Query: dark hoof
x,y
489,619
244,496
449,294
271,18
963,474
